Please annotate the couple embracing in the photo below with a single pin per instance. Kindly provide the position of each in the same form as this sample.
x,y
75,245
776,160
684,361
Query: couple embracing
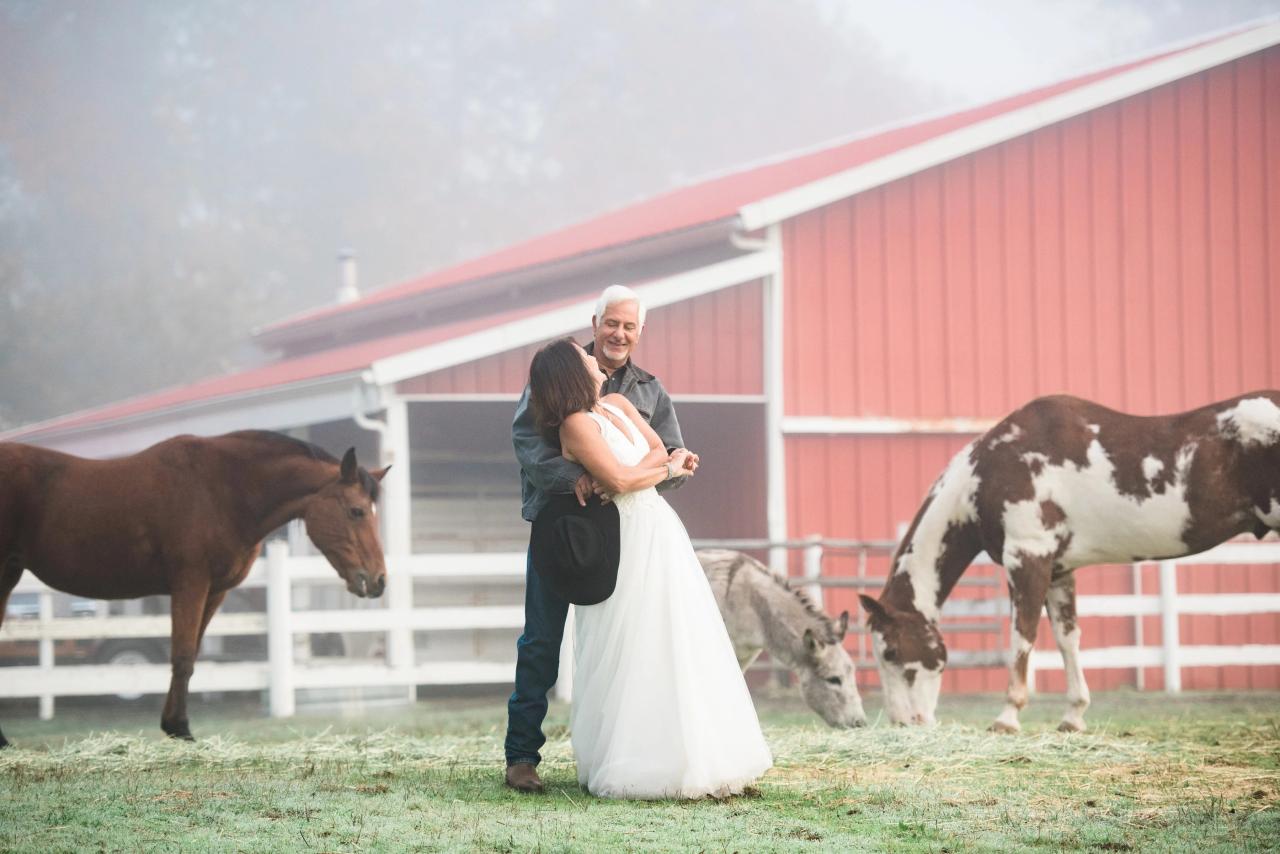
x,y
660,708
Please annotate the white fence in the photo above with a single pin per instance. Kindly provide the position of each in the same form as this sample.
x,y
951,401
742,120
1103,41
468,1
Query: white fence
x,y
398,618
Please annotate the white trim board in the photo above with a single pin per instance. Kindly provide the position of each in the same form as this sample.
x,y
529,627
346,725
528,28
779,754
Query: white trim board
x,y
562,321
823,425
997,129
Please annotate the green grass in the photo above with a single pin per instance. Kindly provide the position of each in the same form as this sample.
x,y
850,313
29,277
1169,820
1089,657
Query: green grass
x,y
1196,773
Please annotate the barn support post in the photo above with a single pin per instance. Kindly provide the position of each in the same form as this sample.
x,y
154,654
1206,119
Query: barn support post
x,y
1169,626
775,444
396,508
46,652
279,630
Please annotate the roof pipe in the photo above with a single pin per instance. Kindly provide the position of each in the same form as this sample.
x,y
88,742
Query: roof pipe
x,y
741,240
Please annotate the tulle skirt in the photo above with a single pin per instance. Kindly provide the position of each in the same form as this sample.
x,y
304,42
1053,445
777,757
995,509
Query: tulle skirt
x,y
660,708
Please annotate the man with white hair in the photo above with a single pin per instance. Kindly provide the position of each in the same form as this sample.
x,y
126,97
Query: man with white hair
x,y
616,325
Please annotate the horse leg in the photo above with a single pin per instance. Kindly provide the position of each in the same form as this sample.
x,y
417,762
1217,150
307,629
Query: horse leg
x,y
211,606
187,609
1028,585
10,572
1061,605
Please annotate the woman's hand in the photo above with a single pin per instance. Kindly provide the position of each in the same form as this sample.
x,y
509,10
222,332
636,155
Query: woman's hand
x,y
681,463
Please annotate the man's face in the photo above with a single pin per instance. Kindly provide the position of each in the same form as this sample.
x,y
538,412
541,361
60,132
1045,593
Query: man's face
x,y
616,334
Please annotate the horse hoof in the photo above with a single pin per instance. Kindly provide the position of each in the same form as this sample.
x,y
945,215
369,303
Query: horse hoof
x,y
4,742
1068,726
180,730
1004,729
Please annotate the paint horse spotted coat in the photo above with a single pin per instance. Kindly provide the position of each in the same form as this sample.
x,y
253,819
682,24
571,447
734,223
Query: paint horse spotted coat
x,y
1058,484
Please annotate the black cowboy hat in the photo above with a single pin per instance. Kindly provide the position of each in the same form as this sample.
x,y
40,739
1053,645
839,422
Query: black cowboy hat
x,y
575,548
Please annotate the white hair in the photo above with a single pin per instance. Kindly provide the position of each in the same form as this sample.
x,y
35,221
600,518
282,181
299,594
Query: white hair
x,y
619,293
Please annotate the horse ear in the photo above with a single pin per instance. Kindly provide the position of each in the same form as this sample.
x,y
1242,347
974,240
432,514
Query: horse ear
x,y
843,624
875,611
810,641
349,466
379,474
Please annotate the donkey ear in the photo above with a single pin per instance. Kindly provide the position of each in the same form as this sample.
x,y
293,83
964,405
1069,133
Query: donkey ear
x,y
843,625
875,611
349,467
810,641
379,474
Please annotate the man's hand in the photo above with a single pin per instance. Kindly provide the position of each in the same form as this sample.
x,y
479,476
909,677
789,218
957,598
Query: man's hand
x,y
684,461
582,488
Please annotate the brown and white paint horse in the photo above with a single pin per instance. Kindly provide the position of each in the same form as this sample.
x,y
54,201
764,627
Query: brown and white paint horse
x,y
1063,483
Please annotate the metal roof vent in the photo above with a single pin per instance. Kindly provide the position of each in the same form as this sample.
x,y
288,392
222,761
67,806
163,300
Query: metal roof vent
x,y
347,290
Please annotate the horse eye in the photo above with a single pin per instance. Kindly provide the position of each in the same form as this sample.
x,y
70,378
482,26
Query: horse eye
x,y
834,680
890,655
357,512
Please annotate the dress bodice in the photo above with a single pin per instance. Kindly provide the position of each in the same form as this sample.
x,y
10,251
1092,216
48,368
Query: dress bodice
x,y
628,448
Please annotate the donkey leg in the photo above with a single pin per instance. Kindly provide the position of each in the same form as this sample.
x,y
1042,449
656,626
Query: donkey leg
x,y
1061,605
10,572
187,607
1028,585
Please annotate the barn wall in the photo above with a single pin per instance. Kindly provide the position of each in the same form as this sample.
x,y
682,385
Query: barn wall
x,y
1130,255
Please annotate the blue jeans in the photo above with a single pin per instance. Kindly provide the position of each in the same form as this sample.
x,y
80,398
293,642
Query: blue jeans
x,y
537,665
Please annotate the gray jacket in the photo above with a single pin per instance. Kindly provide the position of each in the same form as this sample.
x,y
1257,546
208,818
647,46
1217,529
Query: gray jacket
x,y
543,471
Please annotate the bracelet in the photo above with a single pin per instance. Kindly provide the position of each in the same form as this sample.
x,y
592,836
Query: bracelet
x,y
670,473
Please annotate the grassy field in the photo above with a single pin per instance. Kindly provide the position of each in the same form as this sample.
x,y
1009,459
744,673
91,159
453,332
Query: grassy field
x,y
1198,773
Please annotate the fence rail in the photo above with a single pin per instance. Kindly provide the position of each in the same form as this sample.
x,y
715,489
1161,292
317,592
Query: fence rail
x,y
398,618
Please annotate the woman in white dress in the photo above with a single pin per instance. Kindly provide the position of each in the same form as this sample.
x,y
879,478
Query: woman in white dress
x,y
660,708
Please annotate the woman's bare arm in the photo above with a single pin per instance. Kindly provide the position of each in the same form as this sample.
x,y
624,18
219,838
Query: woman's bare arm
x,y
580,438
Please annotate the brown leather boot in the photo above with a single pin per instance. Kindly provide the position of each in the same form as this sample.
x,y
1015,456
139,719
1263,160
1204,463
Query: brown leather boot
x,y
523,777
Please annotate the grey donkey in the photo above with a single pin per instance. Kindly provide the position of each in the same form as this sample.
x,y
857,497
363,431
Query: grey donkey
x,y
762,612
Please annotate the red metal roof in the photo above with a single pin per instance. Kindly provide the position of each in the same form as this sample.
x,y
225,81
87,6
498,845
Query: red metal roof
x,y
710,200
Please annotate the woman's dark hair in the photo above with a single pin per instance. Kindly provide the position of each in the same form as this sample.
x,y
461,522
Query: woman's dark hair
x,y
559,385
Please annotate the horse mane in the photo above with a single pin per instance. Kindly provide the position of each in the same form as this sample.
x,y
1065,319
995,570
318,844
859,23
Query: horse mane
x,y
287,445
291,446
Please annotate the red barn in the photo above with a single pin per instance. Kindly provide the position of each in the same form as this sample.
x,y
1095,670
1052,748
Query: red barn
x,y
835,325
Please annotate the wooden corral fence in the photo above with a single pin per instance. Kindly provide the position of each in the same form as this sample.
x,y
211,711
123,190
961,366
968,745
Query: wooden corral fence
x,y
981,608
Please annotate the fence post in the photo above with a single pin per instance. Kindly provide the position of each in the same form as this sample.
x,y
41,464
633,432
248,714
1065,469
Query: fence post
x,y
46,651
813,570
279,630
1169,625
1140,673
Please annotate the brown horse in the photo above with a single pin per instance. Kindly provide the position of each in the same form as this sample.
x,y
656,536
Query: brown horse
x,y
185,517
1059,484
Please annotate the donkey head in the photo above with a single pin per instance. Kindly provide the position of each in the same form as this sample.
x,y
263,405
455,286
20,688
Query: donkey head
x,y
342,521
911,655
827,677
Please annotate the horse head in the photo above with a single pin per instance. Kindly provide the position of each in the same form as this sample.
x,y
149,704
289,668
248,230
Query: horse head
x,y
911,656
342,520
827,677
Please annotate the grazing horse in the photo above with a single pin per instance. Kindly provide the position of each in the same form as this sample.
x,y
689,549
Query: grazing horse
x,y
1059,484
185,517
762,612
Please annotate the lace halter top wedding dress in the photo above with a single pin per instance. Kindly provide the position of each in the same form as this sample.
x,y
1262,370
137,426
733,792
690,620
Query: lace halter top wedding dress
x,y
660,708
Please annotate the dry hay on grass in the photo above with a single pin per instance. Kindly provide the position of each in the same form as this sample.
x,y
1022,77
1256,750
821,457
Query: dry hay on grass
x,y
954,763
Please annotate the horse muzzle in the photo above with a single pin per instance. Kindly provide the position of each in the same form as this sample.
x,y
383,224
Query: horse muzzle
x,y
365,586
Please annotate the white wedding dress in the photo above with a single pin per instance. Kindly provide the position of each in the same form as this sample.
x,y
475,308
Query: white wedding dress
x,y
660,708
